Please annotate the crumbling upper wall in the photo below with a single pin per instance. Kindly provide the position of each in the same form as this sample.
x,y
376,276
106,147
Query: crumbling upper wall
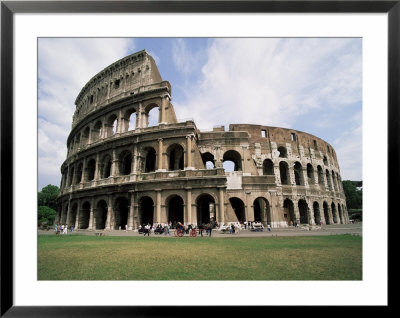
x,y
134,73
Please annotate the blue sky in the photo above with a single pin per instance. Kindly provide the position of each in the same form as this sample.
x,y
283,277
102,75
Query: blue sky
x,y
309,84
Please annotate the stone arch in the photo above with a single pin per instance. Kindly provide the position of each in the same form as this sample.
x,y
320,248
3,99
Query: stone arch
x,y
341,218
111,125
268,167
73,214
100,215
298,173
284,172
121,212
152,114
129,121
105,167
125,162
78,177
90,170
310,174
175,212
303,211
282,152
150,159
239,209
334,213
84,216
334,181
235,157
261,209
205,208
321,181
317,213
326,213
85,135
97,131
325,160
175,155
71,175
77,141
288,210
146,210
208,160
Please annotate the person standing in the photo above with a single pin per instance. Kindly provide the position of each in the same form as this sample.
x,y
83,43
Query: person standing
x,y
269,227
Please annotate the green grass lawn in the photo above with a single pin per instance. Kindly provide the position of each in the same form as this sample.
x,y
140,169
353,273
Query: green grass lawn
x,y
80,257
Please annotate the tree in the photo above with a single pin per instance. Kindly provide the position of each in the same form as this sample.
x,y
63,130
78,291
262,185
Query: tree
x,y
353,195
46,215
48,196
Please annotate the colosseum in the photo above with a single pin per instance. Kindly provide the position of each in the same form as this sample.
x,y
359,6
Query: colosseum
x,y
121,170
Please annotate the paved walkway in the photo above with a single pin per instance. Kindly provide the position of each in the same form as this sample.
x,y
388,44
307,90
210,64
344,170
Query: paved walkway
x,y
335,229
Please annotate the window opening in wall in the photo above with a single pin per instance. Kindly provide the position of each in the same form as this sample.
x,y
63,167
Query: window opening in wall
x,y
325,161
328,148
116,84
152,119
263,133
132,121
315,144
293,136
91,99
282,153
114,128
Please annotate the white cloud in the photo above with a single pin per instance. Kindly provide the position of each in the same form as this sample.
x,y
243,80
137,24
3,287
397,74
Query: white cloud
x,y
65,66
271,81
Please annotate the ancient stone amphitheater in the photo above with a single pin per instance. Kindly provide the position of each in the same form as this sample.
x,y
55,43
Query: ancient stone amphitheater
x,y
120,170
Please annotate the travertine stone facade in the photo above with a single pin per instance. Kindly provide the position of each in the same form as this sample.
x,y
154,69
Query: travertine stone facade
x,y
121,171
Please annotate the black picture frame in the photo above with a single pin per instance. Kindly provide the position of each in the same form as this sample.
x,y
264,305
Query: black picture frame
x,y
8,8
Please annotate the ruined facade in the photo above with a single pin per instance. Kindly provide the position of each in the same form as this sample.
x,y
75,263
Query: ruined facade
x,y
121,170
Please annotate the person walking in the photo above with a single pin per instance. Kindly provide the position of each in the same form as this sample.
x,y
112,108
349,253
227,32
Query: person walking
x,y
269,227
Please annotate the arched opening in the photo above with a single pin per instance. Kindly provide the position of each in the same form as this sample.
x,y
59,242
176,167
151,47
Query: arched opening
x,y
121,212
284,172
298,173
72,215
78,177
125,163
334,213
208,160
100,216
268,167
334,181
238,208
234,157
130,118
175,209
146,210
321,181
77,141
71,176
112,124
326,213
85,136
317,214
106,167
97,131
90,170
175,157
310,174
205,208
328,180
325,160
152,115
288,211
282,152
303,210
64,214
84,216
150,160
262,211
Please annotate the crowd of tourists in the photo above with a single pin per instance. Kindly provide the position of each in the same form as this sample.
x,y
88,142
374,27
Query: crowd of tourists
x,y
63,229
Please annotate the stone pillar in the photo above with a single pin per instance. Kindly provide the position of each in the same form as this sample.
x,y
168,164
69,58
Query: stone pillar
x,y
160,155
119,123
221,205
305,177
188,214
90,135
291,174
131,211
310,213
189,152
91,216
83,171
296,212
97,171
103,129
330,214
68,212
162,109
249,216
277,174
158,206
135,159
114,165
77,215
109,221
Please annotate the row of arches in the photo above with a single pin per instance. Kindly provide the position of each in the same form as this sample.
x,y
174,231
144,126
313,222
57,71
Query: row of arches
x,y
122,121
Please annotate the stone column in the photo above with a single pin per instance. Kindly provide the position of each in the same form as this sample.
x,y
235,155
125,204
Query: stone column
x,y
103,128
68,212
296,211
305,177
83,171
291,174
114,165
77,215
221,205
188,152
92,224
90,135
277,174
131,211
109,221
119,123
310,212
97,171
188,216
160,155
158,206
164,103
249,216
